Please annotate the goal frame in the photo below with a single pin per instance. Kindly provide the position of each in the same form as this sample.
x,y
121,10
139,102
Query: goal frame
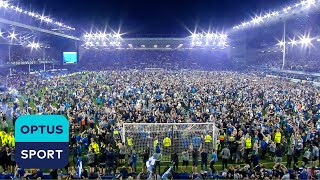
x,y
214,128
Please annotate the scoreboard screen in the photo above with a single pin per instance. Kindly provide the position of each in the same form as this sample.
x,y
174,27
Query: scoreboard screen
x,y
70,57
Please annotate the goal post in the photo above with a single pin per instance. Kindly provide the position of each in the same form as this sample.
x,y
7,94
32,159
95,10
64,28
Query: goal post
x,y
183,136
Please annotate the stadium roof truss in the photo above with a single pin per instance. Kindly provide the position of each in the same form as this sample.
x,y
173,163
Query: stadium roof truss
x,y
32,28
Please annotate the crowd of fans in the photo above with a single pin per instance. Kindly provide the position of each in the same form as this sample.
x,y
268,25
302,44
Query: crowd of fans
x,y
168,59
261,120
297,61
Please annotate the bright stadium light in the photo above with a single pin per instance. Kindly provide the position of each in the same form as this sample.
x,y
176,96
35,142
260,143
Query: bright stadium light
x,y
293,42
194,35
117,35
257,20
285,10
103,35
34,45
31,14
1,33
268,15
18,9
281,43
4,4
42,17
223,36
12,35
209,35
303,2
48,20
88,35
244,24
309,2
306,41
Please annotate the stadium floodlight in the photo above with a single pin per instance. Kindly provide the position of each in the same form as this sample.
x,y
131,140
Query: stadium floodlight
x,y
31,14
305,40
194,35
293,42
281,43
88,35
223,36
257,20
318,40
95,35
1,33
308,2
34,45
48,20
12,35
303,2
210,35
18,9
268,15
4,4
117,35
102,35
222,43
42,17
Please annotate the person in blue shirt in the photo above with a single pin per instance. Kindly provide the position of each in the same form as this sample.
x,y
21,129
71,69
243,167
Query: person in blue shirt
x,y
303,174
98,101
264,148
214,159
39,174
20,173
85,143
134,160
78,138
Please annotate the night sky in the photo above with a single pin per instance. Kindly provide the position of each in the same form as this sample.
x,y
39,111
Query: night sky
x,y
150,18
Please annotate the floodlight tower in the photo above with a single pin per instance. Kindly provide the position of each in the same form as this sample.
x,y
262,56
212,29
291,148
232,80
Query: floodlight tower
x,y
284,45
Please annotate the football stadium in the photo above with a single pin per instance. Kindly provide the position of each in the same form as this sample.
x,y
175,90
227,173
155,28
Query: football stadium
x,y
165,89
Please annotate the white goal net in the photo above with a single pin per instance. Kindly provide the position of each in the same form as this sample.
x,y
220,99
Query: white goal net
x,y
143,136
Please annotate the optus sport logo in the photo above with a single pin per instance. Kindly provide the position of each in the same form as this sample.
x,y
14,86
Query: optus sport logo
x,y
42,141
